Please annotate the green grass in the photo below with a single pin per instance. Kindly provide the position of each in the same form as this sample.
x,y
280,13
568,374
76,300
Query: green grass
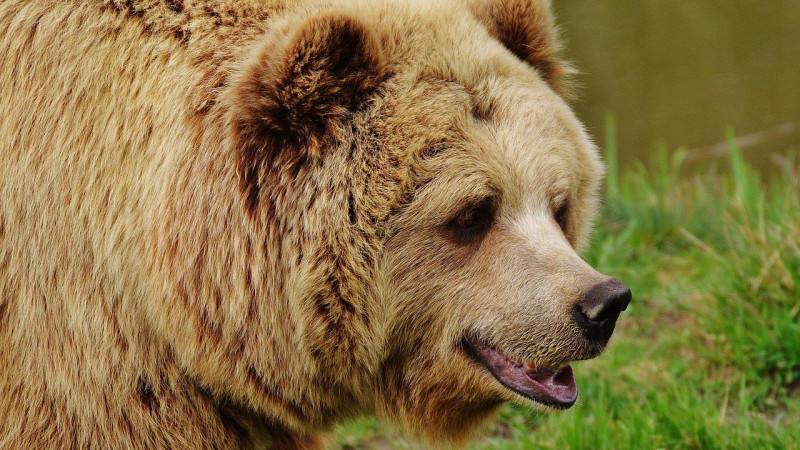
x,y
708,354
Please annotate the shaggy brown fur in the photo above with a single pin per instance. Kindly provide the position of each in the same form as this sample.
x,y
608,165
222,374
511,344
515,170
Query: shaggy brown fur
x,y
226,224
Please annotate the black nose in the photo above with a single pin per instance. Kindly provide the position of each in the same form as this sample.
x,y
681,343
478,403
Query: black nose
x,y
598,312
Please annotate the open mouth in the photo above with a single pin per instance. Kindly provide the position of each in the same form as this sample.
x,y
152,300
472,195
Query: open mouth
x,y
550,386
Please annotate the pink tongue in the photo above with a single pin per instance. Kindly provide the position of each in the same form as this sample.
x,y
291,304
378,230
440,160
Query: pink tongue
x,y
548,386
559,386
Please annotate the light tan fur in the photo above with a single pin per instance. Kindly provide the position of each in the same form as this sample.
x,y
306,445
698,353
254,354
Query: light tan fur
x,y
224,224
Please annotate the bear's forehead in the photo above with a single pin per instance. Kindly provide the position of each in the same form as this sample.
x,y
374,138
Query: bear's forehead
x,y
510,133
496,121
543,145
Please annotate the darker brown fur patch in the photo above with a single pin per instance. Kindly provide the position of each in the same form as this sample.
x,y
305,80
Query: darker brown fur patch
x,y
274,393
337,293
183,35
144,390
175,5
482,108
176,19
133,9
232,425
322,306
282,439
351,208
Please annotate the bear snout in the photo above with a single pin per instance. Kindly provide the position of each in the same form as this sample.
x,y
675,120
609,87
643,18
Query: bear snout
x,y
598,312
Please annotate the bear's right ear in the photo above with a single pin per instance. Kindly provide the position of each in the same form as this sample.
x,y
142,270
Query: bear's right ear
x,y
526,28
297,88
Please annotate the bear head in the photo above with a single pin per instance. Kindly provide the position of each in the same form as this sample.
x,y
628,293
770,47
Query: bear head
x,y
416,193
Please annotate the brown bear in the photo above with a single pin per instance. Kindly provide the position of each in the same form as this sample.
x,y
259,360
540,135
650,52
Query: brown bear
x,y
235,224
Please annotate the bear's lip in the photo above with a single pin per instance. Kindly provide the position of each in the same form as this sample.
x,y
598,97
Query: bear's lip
x,y
553,387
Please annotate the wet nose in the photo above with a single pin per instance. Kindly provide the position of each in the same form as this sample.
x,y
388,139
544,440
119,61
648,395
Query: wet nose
x,y
598,312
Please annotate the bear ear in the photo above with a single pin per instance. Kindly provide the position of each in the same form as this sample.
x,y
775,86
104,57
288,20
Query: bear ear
x,y
297,88
526,28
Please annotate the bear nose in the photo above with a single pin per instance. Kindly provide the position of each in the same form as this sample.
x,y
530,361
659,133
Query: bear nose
x,y
598,312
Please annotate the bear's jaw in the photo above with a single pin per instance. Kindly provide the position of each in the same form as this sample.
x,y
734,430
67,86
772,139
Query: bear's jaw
x,y
549,386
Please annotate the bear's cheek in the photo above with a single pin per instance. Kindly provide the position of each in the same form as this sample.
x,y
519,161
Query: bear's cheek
x,y
439,390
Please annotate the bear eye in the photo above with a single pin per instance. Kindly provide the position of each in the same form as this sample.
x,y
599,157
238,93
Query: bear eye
x,y
561,216
473,222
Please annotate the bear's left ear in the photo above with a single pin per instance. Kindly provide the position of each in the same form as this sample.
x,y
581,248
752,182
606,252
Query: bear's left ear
x,y
295,91
526,28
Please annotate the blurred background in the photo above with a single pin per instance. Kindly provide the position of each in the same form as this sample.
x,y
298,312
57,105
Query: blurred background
x,y
677,73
